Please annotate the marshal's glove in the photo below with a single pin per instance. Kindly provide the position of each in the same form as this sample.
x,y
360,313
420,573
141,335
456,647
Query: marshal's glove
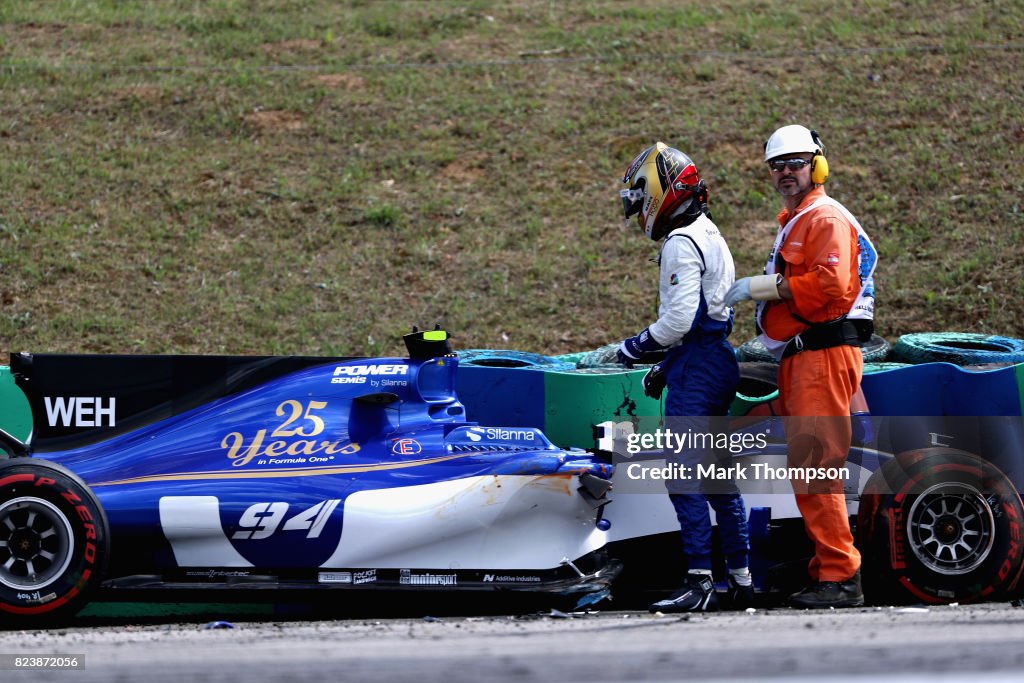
x,y
654,382
635,349
758,288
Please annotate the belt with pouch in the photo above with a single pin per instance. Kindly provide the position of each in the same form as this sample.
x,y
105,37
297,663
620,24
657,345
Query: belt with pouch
x,y
840,332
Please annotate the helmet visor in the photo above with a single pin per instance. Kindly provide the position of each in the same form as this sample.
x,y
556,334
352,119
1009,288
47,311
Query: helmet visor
x,y
632,201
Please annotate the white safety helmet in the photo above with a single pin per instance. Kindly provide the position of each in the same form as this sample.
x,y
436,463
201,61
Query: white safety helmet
x,y
793,139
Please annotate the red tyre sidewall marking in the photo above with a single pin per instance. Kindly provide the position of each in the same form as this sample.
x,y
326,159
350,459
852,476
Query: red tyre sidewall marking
x,y
1013,552
16,479
89,551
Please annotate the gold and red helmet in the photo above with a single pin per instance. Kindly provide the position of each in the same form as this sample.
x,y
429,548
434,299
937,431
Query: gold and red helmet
x,y
657,183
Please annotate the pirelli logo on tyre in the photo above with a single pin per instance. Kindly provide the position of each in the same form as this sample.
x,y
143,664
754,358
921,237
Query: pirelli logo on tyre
x,y
56,536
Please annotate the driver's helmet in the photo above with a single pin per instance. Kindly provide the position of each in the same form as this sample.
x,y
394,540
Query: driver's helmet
x,y
660,183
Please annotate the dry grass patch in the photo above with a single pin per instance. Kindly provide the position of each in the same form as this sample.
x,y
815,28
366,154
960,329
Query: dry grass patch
x,y
274,121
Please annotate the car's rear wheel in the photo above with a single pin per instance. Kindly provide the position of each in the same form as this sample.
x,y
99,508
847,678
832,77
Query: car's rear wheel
x,y
53,542
939,525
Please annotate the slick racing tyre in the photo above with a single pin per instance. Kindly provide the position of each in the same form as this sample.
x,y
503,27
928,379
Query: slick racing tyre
x,y
875,350
53,542
959,348
940,525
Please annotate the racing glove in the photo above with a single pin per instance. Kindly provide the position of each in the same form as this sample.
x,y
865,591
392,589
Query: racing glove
x,y
654,382
634,349
758,288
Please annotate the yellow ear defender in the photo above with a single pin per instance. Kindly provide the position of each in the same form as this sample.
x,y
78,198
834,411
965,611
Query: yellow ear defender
x,y
819,165
819,169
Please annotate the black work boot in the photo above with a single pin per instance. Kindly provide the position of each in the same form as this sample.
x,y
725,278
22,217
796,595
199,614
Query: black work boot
x,y
740,597
696,595
825,594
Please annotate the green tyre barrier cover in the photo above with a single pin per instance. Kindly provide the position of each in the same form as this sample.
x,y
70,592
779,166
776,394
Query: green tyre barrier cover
x,y
959,348
15,412
577,399
875,350
759,383
561,400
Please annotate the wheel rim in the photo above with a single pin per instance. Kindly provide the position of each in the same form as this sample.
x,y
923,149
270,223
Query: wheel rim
x,y
35,543
950,528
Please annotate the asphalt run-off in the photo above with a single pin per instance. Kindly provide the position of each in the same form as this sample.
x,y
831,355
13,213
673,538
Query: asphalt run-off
x,y
944,643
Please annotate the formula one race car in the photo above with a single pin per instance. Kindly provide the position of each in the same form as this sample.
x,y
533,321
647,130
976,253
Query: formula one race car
x,y
195,472
143,474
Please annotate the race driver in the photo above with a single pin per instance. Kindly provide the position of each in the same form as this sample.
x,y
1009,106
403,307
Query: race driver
x,y
663,189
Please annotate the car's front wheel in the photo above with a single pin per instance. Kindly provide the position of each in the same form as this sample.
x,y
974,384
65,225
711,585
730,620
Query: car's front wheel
x,y
53,542
940,525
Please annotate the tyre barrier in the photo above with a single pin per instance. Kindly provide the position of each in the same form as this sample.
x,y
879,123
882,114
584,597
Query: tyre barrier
x,y
14,407
503,358
606,357
875,350
565,400
599,357
607,369
959,348
872,368
554,396
570,358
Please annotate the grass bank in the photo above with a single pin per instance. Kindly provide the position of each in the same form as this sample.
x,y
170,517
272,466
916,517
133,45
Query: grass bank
x,y
315,177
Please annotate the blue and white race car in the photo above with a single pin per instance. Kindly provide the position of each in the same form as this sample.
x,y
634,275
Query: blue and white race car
x,y
162,472
135,474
